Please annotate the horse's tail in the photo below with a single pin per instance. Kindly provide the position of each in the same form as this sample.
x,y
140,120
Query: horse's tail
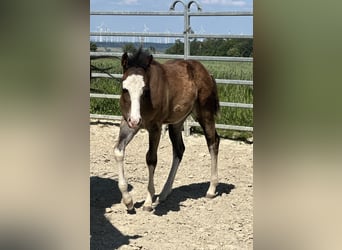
x,y
216,106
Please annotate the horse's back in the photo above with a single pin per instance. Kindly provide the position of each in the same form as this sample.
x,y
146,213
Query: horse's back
x,y
187,72
189,81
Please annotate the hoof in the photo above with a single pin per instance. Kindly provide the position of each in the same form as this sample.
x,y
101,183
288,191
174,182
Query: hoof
x,y
147,208
211,196
130,205
163,197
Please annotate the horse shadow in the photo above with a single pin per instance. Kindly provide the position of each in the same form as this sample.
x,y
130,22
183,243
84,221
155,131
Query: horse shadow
x,y
103,193
192,191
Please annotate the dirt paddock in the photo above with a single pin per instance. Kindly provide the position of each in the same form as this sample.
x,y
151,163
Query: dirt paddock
x,y
186,220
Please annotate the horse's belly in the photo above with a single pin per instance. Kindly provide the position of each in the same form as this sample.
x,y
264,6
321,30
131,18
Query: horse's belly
x,y
178,113
180,105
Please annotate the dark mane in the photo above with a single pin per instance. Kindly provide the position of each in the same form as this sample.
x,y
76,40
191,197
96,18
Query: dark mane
x,y
139,59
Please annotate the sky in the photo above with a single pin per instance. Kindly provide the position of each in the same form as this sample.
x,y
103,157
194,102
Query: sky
x,y
200,25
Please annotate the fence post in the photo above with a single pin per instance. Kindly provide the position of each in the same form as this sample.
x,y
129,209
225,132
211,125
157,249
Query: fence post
x,y
187,30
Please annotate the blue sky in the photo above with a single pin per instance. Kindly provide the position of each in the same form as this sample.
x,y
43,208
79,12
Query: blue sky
x,y
206,25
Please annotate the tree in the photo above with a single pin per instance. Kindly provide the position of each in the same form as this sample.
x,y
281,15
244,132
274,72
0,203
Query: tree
x,y
195,47
247,48
177,48
93,46
129,48
234,52
215,47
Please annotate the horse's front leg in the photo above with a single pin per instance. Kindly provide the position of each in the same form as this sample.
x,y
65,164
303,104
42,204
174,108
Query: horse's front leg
x,y
151,160
125,136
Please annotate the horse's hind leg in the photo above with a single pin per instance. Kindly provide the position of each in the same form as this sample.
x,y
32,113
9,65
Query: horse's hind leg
x,y
175,133
151,160
207,122
125,136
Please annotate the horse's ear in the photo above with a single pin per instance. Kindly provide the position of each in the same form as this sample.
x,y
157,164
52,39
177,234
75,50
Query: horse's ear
x,y
124,60
150,59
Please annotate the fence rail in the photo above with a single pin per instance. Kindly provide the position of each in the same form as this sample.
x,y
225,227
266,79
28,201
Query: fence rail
x,y
186,35
223,104
167,56
161,34
171,13
223,81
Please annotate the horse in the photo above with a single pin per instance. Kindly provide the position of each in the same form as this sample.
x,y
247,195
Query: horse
x,y
154,94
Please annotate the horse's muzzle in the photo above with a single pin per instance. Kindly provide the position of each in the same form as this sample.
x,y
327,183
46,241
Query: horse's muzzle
x,y
134,123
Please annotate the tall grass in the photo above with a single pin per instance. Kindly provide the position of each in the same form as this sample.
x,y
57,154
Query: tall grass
x,y
227,93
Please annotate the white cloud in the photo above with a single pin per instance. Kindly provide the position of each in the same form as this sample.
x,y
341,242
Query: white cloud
x,y
128,2
238,3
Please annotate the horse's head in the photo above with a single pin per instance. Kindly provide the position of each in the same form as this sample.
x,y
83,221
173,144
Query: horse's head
x,y
134,85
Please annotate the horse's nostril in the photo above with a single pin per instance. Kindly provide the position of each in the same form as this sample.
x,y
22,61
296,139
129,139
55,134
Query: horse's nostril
x,y
134,122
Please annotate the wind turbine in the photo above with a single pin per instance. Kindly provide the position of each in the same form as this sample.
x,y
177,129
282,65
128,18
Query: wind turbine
x,y
202,32
107,31
100,29
146,29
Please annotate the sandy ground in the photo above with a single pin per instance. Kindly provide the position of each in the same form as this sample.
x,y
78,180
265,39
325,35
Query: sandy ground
x,y
186,220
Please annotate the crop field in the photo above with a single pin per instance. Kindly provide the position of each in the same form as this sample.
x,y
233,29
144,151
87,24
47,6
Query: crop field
x,y
227,93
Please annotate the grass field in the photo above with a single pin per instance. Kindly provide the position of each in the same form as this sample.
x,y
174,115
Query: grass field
x,y
227,93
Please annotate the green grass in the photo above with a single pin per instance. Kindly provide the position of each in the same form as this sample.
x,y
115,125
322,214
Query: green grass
x,y
227,93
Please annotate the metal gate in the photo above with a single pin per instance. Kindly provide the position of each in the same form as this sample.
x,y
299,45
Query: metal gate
x,y
186,35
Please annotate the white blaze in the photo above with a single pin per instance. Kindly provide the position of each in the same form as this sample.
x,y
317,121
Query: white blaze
x,y
134,84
